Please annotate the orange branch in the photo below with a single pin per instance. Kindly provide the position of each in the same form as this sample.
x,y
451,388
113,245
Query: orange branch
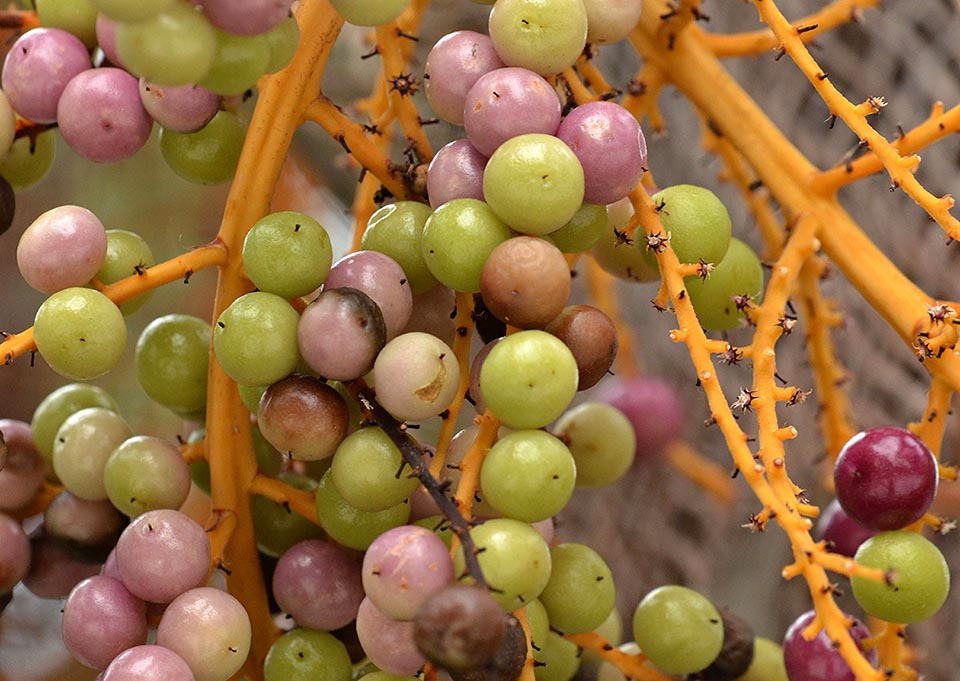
x,y
358,144
940,124
461,348
900,168
179,268
400,88
705,473
632,666
296,500
753,43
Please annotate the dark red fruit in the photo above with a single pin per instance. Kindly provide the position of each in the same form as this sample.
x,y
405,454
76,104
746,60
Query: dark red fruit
x,y
843,532
886,478
819,660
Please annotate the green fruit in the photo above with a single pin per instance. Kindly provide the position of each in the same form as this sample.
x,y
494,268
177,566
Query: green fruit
x,y
679,630
714,299
921,578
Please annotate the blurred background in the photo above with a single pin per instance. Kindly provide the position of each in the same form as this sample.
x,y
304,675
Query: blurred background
x,y
654,526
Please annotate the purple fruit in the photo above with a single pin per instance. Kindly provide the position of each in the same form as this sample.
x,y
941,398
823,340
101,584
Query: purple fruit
x,y
653,408
886,478
818,660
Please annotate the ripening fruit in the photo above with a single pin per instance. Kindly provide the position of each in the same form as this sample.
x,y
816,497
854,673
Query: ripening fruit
x,y
679,630
534,183
819,660
696,221
287,253
545,36
80,333
715,299
886,478
255,339
528,379
921,578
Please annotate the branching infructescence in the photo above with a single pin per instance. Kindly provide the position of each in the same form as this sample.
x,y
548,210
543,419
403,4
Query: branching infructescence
x,y
757,156
179,268
642,94
414,456
704,472
754,194
819,316
765,473
229,449
938,125
754,43
933,423
836,420
358,144
900,168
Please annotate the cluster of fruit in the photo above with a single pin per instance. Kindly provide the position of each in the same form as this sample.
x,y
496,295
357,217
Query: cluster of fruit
x,y
338,361
167,62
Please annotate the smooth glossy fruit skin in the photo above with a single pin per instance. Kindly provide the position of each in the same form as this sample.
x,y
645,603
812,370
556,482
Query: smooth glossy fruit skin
x,y
319,584
528,475
611,147
529,379
58,406
921,577
396,230
287,253
128,254
714,299
101,619
545,36
886,478
609,21
818,660
580,594
514,558
388,643
210,630
696,221
172,359
80,333
255,339
458,238
369,12
37,69
601,440
560,658
304,654
679,630
209,155
63,247
843,532
101,116
767,662
534,183
176,47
